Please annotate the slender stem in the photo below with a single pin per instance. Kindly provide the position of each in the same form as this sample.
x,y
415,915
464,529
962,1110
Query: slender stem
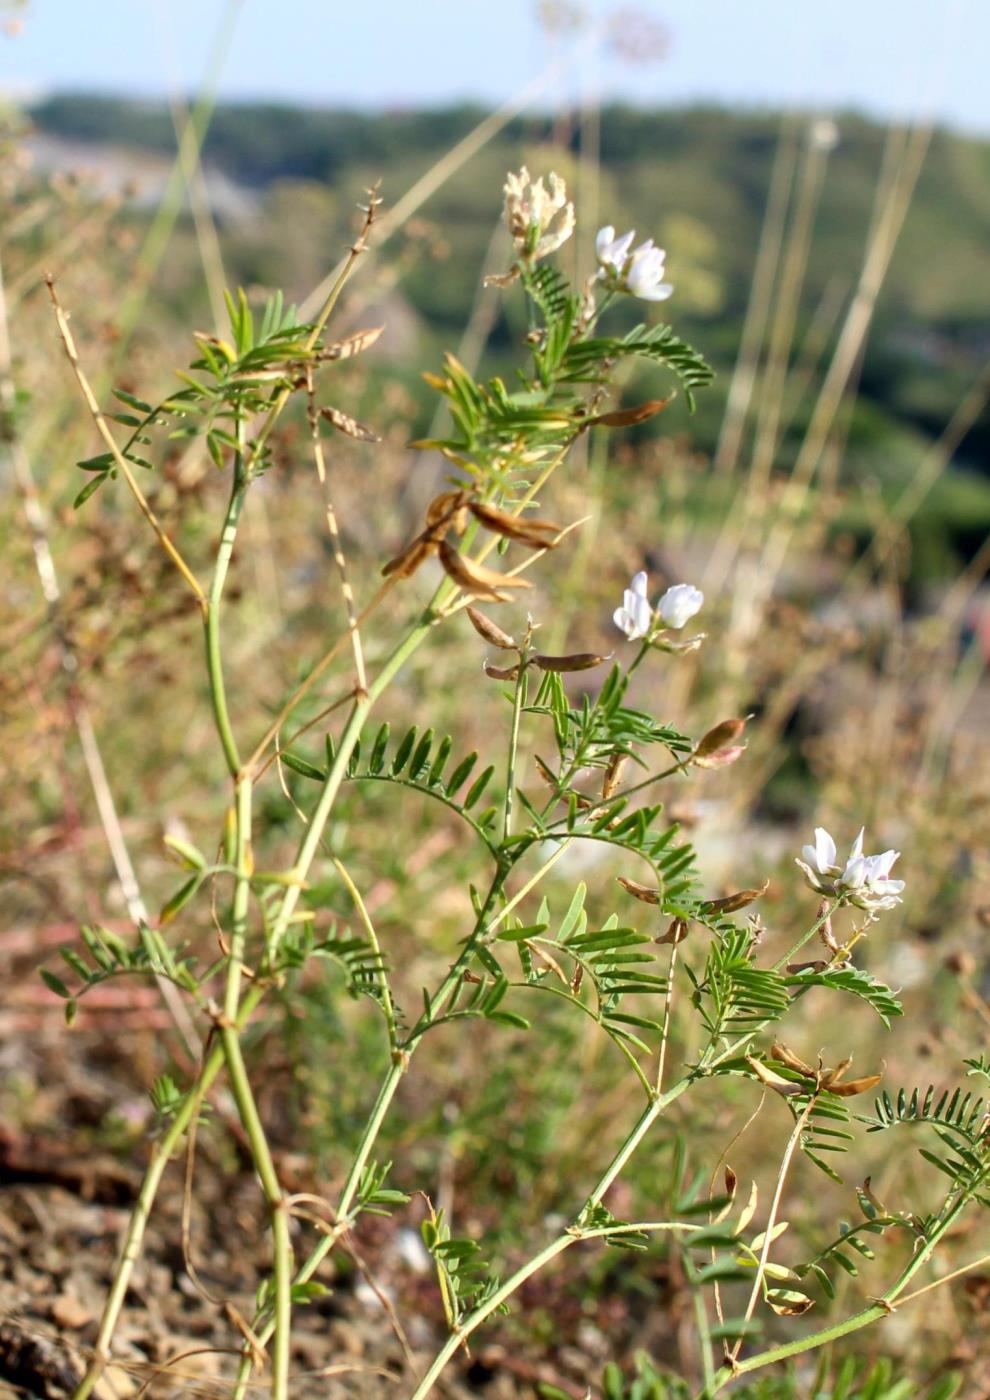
x,y
882,1307
211,620
120,461
518,701
667,1005
164,1151
388,1007
768,1233
819,923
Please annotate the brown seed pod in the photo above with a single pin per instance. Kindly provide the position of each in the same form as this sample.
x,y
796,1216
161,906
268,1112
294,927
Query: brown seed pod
x,y
626,417
501,673
785,1087
729,903
613,773
404,565
855,1086
490,630
578,661
444,506
645,893
535,534
787,1057
345,424
720,737
350,345
722,759
676,933
475,578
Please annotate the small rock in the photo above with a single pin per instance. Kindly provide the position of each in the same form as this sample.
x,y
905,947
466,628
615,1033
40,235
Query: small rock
x,y
68,1312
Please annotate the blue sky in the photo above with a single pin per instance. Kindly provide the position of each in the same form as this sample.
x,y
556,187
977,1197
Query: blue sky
x,y
888,57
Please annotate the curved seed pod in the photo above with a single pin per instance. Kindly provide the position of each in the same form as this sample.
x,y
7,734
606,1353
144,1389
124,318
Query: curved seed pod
x,y
536,534
475,578
344,423
731,902
490,630
645,893
626,417
577,661
444,506
404,565
785,1087
855,1086
676,933
350,345
501,673
720,737
784,1056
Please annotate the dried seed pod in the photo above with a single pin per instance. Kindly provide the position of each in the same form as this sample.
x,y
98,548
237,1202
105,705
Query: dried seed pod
x,y
729,903
855,1086
490,630
344,423
536,534
501,673
626,417
404,565
787,1057
785,1087
613,773
445,506
722,759
676,933
646,893
720,737
577,661
475,578
350,345
546,773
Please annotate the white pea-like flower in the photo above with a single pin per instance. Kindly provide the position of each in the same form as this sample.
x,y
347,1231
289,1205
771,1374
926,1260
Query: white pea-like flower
x,y
623,268
635,617
863,881
679,604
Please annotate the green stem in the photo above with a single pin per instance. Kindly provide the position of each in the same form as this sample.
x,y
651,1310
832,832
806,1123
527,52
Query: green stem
x,y
881,1308
218,693
518,701
163,1153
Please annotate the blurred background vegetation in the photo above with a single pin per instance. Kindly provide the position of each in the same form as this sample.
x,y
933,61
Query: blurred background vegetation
x,y
831,495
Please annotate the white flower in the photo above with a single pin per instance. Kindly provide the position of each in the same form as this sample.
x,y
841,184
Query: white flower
x,y
678,604
635,617
612,252
639,271
864,880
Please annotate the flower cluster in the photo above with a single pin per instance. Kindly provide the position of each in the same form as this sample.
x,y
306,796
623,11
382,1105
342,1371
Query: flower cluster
x,y
626,269
864,880
539,219
636,618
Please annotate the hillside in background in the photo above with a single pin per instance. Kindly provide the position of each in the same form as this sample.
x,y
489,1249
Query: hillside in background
x,y
284,182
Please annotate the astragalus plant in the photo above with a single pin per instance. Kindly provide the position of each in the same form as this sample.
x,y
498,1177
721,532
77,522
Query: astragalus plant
x,y
684,992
